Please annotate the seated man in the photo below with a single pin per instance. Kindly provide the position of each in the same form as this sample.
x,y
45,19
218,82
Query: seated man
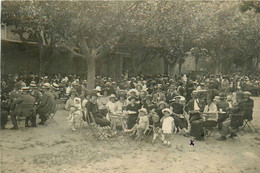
x,y
248,105
210,114
194,108
4,112
47,103
92,110
24,106
225,125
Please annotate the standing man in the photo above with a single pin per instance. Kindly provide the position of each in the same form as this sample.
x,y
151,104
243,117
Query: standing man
x,y
47,103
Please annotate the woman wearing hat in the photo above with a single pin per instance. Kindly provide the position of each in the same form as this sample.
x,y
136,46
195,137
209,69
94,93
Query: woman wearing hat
x,y
178,114
132,111
102,101
112,108
132,93
149,105
121,103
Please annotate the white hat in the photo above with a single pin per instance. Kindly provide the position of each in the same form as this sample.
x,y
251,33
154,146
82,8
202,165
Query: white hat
x,y
132,90
55,86
143,110
33,84
46,85
167,110
181,98
112,96
26,88
247,93
98,88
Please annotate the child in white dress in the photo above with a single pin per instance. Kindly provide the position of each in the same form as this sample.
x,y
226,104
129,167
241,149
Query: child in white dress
x,y
75,114
167,125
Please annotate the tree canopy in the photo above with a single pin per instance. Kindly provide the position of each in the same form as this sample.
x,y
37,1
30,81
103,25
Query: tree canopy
x,y
89,30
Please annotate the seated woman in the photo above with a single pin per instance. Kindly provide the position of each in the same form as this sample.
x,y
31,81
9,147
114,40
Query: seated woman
x,y
73,105
112,111
121,109
102,101
178,110
132,111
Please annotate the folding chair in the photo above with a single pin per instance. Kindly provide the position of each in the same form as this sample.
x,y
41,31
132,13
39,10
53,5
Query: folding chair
x,y
147,135
248,124
50,117
210,130
60,104
106,131
236,123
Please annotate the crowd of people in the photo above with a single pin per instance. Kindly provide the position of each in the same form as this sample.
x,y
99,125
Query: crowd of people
x,y
137,104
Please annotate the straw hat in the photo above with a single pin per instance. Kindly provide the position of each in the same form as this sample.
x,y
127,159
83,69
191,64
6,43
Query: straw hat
x,y
33,84
25,88
167,110
142,110
112,96
46,85
247,93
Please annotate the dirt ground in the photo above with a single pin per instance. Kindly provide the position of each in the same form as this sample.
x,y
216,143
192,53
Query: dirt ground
x,y
58,149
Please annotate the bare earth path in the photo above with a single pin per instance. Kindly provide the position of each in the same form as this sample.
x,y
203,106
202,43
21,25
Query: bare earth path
x,y
57,149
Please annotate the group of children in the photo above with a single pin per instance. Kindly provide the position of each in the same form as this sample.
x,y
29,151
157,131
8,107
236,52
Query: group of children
x,y
163,127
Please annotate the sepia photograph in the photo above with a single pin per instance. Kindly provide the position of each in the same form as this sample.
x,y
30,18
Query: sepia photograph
x,y
130,86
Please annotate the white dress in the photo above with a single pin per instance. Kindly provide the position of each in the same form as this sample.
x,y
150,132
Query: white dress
x,y
167,125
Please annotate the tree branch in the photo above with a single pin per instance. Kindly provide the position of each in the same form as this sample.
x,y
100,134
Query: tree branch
x,y
74,53
84,47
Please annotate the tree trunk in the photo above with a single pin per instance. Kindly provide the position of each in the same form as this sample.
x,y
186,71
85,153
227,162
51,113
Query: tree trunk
x,y
41,69
196,63
172,70
166,69
180,66
91,73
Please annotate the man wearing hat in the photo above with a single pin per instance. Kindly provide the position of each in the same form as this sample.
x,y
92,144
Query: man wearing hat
x,y
248,105
55,91
34,92
194,108
24,106
223,117
47,103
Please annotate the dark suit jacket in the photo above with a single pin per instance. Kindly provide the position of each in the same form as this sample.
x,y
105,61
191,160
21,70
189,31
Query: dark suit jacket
x,y
190,107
